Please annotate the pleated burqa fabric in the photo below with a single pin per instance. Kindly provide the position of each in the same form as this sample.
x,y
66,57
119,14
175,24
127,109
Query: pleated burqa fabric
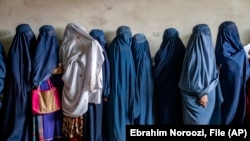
x,y
200,77
2,80
123,101
234,72
45,60
247,115
144,72
17,116
2,74
167,71
95,115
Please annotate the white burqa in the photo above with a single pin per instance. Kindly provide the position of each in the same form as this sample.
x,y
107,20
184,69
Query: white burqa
x,y
82,58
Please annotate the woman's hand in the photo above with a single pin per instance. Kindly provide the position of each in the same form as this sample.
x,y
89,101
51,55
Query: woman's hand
x,y
203,101
58,70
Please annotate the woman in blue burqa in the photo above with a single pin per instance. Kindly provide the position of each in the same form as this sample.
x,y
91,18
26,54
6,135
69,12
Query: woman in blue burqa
x,y
17,116
144,72
167,71
234,73
123,101
95,121
44,63
199,81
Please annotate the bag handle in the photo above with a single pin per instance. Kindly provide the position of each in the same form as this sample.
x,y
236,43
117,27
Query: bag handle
x,y
50,83
38,87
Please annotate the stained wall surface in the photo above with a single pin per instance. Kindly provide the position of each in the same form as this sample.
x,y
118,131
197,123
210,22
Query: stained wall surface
x,y
150,17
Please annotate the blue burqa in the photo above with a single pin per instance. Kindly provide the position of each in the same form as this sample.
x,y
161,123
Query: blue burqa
x,y
200,77
144,72
17,116
45,58
167,71
95,115
232,58
44,61
123,101
2,73
2,79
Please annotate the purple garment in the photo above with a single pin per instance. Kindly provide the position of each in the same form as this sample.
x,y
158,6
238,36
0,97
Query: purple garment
x,y
52,123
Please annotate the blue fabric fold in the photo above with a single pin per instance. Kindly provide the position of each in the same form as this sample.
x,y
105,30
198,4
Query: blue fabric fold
x,y
2,73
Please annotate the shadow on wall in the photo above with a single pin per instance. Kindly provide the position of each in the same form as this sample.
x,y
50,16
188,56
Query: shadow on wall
x,y
247,34
110,35
185,39
60,33
6,39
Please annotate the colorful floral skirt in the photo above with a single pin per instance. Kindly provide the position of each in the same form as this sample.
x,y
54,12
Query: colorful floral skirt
x,y
73,126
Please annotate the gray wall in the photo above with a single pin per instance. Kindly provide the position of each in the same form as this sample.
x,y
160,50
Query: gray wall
x,y
150,17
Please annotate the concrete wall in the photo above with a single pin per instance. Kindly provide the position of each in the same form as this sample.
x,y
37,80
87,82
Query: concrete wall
x,y
150,17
